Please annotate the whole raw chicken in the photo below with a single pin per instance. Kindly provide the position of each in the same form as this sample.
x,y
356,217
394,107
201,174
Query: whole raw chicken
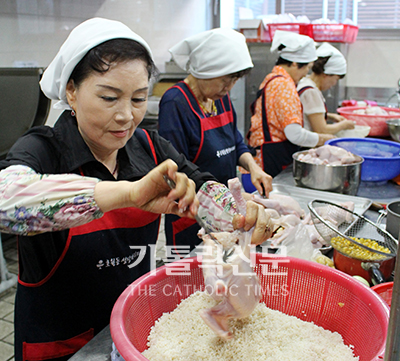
x,y
231,282
328,154
229,277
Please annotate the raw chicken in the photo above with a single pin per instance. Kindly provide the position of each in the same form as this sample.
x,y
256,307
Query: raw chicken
x,y
336,216
281,203
233,283
229,279
235,188
371,110
328,154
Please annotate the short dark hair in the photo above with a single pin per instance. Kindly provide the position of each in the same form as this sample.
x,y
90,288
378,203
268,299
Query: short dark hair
x,y
319,66
101,57
282,61
240,74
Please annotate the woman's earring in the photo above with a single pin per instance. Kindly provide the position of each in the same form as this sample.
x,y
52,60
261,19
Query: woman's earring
x,y
73,112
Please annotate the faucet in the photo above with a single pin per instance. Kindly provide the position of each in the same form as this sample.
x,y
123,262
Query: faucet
x,y
397,93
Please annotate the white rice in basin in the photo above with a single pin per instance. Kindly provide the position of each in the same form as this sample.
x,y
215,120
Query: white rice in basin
x,y
266,335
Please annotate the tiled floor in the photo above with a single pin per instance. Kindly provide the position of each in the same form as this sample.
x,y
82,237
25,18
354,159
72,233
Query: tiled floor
x,y
7,302
8,296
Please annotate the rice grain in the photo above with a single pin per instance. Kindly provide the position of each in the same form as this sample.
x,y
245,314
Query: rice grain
x,y
266,335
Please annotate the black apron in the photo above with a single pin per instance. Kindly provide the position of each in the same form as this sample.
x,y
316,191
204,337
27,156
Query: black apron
x,y
276,156
60,314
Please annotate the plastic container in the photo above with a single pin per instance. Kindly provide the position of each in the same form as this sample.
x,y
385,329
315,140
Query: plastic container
x,y
247,184
384,290
313,292
377,123
381,157
334,33
359,131
303,29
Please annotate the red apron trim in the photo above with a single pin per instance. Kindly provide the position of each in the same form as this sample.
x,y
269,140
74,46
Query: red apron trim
x,y
216,122
198,116
187,99
44,280
117,218
48,350
178,226
153,151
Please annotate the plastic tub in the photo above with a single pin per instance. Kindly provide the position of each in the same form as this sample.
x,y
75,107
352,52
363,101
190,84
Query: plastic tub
x,y
335,33
303,29
315,293
384,290
381,157
377,123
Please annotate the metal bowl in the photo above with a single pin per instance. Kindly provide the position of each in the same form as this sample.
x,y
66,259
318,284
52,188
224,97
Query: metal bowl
x,y
343,179
394,128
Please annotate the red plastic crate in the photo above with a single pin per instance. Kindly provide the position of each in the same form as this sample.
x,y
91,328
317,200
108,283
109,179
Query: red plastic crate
x,y
335,33
302,29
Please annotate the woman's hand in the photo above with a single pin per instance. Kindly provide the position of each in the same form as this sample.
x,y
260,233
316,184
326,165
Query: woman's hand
x,y
322,138
257,217
151,193
346,124
261,180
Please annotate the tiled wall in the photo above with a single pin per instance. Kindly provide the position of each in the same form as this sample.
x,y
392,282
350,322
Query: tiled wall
x,y
31,31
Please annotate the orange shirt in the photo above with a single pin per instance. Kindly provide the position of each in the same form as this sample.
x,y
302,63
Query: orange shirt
x,y
283,107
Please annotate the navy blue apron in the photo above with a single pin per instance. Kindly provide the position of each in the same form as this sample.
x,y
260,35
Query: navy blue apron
x,y
276,156
60,314
216,154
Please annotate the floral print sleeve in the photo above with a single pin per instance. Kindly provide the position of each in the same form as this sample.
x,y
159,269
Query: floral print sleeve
x,y
32,203
216,206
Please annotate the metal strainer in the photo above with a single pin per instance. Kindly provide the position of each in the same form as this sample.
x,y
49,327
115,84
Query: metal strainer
x,y
332,220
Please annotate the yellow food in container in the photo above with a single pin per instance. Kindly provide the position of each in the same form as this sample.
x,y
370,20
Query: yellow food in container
x,y
351,249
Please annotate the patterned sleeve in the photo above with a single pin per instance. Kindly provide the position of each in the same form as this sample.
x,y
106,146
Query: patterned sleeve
x,y
217,206
32,203
287,104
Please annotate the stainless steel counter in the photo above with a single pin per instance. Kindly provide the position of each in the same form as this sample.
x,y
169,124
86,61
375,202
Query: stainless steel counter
x,y
100,347
376,191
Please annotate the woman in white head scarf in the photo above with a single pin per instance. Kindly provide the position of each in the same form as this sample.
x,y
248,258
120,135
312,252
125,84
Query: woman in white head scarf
x,y
326,72
85,196
276,130
198,117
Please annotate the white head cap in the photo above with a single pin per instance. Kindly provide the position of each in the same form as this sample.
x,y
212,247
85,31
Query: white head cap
x,y
297,48
336,64
213,53
83,38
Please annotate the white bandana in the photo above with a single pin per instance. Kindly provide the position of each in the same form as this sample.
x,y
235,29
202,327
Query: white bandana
x,y
83,38
336,64
298,48
213,53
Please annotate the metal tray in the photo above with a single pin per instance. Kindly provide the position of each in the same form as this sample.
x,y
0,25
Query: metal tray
x,y
304,195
